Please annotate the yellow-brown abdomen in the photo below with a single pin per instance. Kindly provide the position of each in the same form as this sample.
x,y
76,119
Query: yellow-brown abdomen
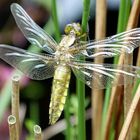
x,y
59,92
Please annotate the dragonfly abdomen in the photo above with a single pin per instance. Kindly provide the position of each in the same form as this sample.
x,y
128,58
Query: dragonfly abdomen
x,y
59,92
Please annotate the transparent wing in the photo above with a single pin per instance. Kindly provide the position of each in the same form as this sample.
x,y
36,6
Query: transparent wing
x,y
105,75
111,46
32,31
34,66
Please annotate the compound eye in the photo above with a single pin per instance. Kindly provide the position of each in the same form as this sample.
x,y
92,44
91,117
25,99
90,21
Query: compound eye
x,y
68,28
78,33
78,29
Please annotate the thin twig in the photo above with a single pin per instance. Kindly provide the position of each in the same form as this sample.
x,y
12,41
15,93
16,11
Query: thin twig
x,y
37,132
15,102
12,127
97,95
130,115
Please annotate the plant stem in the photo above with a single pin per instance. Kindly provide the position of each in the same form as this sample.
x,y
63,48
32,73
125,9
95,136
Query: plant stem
x,y
37,132
85,16
80,87
15,102
67,117
55,21
81,110
97,95
12,127
123,18
130,115
34,111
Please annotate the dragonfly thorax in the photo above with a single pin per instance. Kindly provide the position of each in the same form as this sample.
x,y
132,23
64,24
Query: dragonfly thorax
x,y
62,56
62,53
66,42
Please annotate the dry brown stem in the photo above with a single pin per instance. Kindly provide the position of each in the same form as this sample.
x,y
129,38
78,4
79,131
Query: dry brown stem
x,y
15,102
12,127
97,96
37,132
130,115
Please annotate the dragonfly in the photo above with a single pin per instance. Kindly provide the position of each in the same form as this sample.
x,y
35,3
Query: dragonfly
x,y
60,58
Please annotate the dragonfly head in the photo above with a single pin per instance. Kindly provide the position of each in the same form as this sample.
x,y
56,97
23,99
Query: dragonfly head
x,y
74,28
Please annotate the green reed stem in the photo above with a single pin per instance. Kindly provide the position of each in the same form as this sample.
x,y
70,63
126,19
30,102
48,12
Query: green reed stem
x,y
68,134
85,16
105,107
55,21
80,88
123,15
124,11
135,87
34,111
